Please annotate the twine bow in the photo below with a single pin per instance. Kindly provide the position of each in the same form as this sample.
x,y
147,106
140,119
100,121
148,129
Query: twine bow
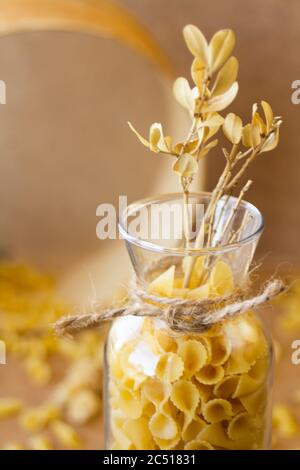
x,y
180,315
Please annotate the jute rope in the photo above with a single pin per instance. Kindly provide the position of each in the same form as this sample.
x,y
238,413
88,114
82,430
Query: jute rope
x,y
180,315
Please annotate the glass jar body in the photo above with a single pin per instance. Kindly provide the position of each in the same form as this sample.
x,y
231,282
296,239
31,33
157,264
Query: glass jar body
x,y
193,390
169,390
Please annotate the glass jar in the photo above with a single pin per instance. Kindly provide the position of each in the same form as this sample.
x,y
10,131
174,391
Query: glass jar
x,y
204,390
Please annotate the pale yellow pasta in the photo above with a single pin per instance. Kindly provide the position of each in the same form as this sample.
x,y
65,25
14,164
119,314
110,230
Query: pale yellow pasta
x,y
9,407
216,435
169,367
39,442
171,390
121,368
284,422
164,340
185,396
156,391
137,430
192,426
221,279
198,444
194,356
248,343
237,364
163,284
122,442
245,386
241,426
217,410
116,369
210,375
220,350
255,403
167,444
203,340
163,426
259,370
66,435
148,326
148,406
180,292
119,445
130,403
226,387
200,293
205,391
237,406
197,273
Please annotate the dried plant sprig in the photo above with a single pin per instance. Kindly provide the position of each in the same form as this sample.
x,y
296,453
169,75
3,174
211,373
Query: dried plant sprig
x,y
214,73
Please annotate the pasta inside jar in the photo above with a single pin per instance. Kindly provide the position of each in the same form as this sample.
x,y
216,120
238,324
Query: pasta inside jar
x,y
194,391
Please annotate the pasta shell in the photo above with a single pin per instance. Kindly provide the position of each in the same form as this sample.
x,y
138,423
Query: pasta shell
x,y
129,403
137,430
185,396
198,445
220,348
210,375
163,426
156,391
217,410
217,436
226,387
170,367
221,279
163,284
242,426
192,426
193,355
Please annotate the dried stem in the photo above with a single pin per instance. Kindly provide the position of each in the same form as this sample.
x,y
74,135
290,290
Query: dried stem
x,y
186,217
205,220
234,237
228,196
240,173
234,211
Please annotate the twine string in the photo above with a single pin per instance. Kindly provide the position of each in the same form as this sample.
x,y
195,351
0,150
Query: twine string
x,y
181,315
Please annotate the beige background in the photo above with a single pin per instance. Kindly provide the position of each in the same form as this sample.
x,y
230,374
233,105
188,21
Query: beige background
x,y
66,148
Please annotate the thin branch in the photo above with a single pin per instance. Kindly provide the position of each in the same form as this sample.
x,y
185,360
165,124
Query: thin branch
x,y
233,212
235,236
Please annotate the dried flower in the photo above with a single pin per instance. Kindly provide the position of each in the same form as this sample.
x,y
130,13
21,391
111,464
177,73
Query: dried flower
x,y
204,101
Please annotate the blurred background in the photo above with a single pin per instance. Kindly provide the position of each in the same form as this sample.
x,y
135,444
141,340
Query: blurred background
x,y
76,71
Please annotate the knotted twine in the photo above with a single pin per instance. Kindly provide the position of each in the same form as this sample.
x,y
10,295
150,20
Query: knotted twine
x,y
181,315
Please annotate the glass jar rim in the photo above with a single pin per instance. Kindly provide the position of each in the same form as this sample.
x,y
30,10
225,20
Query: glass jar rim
x,y
131,209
